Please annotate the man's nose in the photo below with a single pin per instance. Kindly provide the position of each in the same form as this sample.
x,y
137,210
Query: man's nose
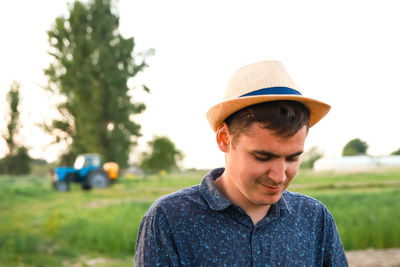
x,y
277,172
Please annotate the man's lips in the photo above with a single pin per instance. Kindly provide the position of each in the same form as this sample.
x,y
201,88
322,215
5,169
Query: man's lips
x,y
271,188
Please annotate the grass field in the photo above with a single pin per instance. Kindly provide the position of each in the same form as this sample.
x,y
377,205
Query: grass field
x,y
41,227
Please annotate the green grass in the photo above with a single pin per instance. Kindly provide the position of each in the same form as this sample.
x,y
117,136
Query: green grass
x,y
366,219
41,227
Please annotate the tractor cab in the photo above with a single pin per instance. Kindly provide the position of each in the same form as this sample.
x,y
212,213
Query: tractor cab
x,y
87,160
85,163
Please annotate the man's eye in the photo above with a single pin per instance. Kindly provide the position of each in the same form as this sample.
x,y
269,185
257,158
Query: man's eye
x,y
293,159
262,158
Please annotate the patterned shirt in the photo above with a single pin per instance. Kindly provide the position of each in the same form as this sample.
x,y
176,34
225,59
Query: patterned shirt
x,y
199,226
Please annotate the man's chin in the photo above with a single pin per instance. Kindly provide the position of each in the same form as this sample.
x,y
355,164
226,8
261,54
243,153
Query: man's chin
x,y
263,203
270,200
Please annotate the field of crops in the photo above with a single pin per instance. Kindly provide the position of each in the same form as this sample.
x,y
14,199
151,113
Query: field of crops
x,y
41,227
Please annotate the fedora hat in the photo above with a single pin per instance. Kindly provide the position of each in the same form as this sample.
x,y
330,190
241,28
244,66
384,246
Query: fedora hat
x,y
262,82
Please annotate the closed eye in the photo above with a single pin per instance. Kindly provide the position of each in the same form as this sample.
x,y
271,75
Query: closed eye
x,y
293,159
264,156
263,159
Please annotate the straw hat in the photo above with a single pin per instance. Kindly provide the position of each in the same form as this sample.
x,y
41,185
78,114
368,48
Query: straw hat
x,y
262,82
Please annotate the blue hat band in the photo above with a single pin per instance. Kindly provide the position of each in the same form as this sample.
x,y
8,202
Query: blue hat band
x,y
273,91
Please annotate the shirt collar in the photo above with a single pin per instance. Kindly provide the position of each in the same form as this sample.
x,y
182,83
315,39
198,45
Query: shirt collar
x,y
217,201
283,204
209,191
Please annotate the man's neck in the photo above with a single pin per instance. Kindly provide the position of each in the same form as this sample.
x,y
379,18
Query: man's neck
x,y
255,212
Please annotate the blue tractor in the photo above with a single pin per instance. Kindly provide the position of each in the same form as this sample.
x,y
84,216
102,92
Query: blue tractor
x,y
87,171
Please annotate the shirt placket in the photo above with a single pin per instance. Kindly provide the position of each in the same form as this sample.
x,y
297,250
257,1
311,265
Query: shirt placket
x,y
260,242
260,239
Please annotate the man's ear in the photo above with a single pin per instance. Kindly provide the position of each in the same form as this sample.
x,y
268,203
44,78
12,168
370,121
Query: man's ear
x,y
223,137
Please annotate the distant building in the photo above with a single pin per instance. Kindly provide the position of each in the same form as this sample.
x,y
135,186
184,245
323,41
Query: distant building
x,y
132,170
356,163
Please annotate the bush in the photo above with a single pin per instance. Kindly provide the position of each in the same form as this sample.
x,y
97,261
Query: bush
x,y
16,164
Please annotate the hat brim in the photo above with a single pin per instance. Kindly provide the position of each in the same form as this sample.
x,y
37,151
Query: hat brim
x,y
218,113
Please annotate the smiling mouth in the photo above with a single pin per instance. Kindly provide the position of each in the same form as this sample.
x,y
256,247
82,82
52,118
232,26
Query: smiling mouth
x,y
271,188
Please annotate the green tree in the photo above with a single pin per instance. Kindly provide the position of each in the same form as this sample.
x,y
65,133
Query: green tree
x,y
13,123
91,67
310,157
17,159
396,152
355,147
163,156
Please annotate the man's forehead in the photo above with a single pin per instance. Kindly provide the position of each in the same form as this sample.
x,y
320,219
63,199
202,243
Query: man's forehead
x,y
257,130
267,142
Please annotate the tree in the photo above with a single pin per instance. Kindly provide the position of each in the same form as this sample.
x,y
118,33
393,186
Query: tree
x,y
310,157
396,152
355,147
13,123
17,159
92,65
163,156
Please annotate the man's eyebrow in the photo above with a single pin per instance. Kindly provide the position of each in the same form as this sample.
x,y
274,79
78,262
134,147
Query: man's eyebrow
x,y
269,154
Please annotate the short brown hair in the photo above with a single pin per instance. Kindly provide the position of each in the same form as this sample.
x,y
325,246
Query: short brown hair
x,y
285,117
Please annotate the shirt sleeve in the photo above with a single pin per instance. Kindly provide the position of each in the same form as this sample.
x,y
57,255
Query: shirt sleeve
x,y
334,254
155,245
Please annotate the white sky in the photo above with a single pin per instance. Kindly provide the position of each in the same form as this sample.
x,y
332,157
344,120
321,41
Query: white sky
x,y
346,53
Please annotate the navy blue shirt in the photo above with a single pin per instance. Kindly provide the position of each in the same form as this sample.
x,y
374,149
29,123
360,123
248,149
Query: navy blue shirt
x,y
198,226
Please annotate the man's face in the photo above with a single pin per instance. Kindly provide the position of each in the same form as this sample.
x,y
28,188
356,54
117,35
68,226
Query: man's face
x,y
260,165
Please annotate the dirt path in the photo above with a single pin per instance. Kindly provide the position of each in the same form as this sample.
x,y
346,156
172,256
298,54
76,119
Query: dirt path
x,y
374,258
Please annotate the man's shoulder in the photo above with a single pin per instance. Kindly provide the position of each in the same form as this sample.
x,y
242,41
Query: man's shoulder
x,y
175,201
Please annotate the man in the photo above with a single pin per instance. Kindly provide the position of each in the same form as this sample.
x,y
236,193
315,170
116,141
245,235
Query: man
x,y
242,215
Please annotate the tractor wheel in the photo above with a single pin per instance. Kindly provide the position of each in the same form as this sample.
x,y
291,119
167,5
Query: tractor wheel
x,y
62,186
98,179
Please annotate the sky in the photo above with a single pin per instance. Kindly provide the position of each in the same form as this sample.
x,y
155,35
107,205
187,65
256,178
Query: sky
x,y
345,53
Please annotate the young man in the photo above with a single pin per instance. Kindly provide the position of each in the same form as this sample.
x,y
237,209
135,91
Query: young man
x,y
242,215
